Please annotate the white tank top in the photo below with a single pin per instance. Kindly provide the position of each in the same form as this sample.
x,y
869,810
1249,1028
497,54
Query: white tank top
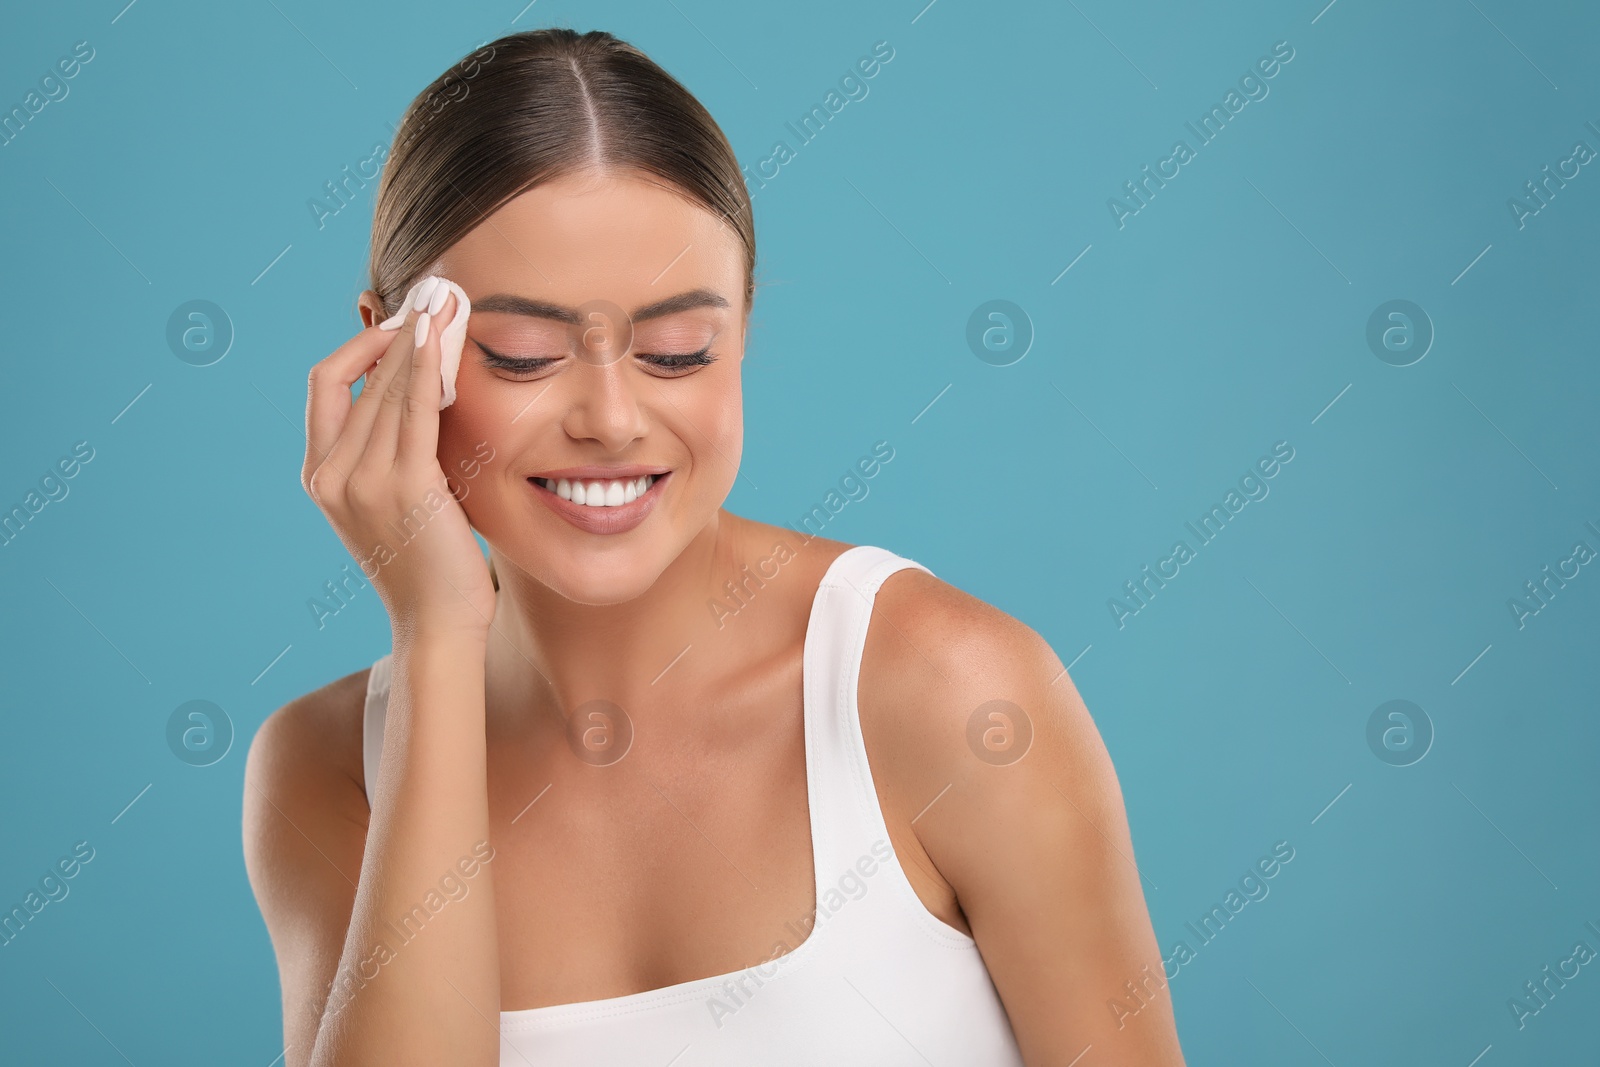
x,y
877,980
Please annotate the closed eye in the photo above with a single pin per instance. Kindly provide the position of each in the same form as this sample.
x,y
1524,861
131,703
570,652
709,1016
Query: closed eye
x,y
673,362
701,358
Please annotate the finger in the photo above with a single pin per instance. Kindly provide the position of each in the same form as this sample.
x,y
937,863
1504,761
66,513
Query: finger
x,y
355,439
418,441
328,390
385,439
414,302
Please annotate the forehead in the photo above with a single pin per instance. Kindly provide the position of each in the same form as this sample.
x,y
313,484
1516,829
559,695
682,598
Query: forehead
x,y
624,238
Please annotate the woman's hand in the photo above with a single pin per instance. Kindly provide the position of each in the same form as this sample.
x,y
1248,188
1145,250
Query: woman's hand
x,y
373,468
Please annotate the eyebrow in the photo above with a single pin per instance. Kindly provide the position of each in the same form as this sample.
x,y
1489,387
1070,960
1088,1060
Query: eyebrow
x,y
512,304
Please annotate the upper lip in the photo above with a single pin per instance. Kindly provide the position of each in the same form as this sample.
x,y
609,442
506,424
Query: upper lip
x,y
594,472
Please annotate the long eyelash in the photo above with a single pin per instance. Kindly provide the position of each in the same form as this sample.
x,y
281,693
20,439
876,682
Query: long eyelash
x,y
688,359
676,361
500,362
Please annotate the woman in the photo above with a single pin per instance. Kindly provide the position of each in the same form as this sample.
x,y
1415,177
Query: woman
x,y
658,784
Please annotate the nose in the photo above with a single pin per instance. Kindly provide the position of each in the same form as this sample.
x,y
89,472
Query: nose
x,y
604,405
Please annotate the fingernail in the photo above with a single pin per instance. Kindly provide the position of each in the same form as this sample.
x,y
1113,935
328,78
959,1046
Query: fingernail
x,y
440,292
422,329
425,293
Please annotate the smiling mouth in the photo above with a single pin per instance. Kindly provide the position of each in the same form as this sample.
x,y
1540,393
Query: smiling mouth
x,y
599,493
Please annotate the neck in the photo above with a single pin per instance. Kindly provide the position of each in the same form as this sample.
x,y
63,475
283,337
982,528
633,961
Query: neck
x,y
547,653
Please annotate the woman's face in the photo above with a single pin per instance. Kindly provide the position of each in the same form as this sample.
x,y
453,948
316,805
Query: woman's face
x,y
557,278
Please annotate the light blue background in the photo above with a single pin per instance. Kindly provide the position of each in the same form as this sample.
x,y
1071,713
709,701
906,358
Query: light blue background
x,y
1229,314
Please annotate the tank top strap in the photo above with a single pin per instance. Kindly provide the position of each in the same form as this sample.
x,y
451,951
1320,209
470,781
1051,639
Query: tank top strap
x,y
377,704
846,820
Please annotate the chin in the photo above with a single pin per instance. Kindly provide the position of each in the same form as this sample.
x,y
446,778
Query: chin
x,y
599,579
597,576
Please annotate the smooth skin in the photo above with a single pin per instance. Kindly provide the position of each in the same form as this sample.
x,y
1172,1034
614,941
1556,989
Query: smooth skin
x,y
689,856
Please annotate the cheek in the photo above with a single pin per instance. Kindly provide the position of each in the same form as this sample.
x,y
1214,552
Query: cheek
x,y
733,425
461,426
473,427
717,417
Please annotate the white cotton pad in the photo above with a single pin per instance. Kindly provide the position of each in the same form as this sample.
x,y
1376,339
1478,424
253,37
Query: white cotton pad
x,y
451,338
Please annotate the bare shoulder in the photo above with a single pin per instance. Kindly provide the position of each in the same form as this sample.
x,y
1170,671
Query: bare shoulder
x,y
935,655
963,704
303,784
988,764
316,735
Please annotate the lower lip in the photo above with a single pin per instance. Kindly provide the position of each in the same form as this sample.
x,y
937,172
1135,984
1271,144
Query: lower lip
x,y
615,520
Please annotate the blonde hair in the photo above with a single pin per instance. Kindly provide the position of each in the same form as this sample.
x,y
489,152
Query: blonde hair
x,y
526,109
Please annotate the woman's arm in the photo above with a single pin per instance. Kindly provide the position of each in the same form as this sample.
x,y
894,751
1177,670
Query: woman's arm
x,y
402,965
1036,848
305,818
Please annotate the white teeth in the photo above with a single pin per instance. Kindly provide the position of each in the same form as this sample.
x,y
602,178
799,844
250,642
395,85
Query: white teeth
x,y
598,494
